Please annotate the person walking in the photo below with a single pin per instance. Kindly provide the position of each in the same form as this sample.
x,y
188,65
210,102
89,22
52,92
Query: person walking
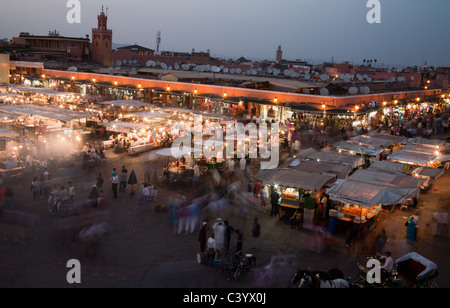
x,y
114,182
417,220
274,197
202,236
240,241
100,181
219,235
211,249
228,231
256,232
410,230
35,188
123,179
71,193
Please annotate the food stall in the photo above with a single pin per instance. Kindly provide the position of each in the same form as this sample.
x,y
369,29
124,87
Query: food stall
x,y
359,202
297,187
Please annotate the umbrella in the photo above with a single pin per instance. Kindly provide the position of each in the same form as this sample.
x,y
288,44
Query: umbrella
x,y
177,152
132,180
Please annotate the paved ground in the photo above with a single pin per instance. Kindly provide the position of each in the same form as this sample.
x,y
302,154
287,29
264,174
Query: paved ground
x,y
143,251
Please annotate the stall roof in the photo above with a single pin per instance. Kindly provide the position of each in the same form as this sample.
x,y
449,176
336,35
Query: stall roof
x,y
356,148
428,142
150,115
390,166
373,141
7,133
419,149
50,112
129,125
345,159
381,178
367,195
429,172
41,91
411,157
322,167
385,136
295,179
125,103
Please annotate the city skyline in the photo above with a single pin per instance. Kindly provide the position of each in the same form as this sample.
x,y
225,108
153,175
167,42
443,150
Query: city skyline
x,y
410,33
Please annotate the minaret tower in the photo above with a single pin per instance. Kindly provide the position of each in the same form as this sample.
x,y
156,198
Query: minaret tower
x,y
102,41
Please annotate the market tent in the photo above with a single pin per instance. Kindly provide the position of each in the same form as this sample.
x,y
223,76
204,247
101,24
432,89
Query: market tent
x,y
351,160
50,112
390,166
433,143
177,152
380,178
367,195
429,172
385,136
124,125
322,167
357,148
295,179
372,141
414,158
125,103
7,133
419,149
149,115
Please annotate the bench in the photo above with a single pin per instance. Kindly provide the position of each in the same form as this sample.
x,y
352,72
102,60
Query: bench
x,y
108,143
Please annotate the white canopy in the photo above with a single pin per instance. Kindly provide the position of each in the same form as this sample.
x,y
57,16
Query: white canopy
x,y
428,142
50,112
295,179
357,148
7,133
381,178
127,125
322,167
150,115
414,158
177,152
344,159
125,103
390,166
367,195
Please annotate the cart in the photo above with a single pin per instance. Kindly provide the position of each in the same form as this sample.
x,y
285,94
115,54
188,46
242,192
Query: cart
x,y
410,271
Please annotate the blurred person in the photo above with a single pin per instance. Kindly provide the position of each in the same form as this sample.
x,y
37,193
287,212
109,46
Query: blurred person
x,y
417,220
71,193
274,197
35,188
211,249
410,230
114,183
239,241
256,232
100,181
219,234
123,179
228,231
202,236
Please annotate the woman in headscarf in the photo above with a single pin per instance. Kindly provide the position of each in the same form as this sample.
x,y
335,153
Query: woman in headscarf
x,y
410,230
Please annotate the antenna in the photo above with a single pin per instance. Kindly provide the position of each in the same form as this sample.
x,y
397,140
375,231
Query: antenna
x,y
158,40
107,11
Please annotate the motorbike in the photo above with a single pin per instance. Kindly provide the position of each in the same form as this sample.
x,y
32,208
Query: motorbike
x,y
55,205
244,264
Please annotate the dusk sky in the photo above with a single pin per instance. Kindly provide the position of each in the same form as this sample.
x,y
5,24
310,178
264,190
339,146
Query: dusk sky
x,y
410,32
